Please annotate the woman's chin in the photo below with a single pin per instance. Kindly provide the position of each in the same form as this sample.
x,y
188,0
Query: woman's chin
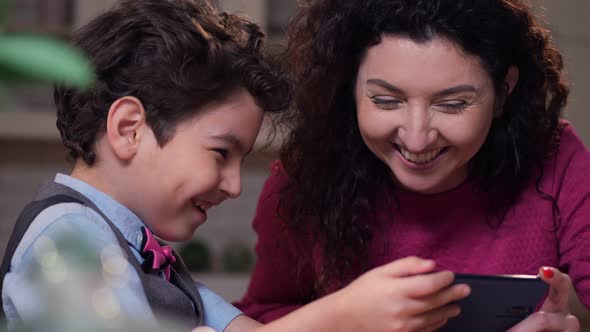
x,y
420,185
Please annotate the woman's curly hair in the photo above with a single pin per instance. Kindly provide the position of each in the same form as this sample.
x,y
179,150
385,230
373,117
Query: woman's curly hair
x,y
173,55
334,178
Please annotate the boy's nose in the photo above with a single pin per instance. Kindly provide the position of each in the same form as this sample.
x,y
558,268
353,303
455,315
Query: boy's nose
x,y
231,184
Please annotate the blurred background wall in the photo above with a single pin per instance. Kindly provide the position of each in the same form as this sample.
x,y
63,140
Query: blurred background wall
x,y
30,149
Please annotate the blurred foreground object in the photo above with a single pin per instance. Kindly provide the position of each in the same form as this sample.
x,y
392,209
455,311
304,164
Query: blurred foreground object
x,y
74,285
28,58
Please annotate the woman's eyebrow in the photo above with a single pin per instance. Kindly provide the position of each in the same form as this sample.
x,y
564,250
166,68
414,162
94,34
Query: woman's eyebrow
x,y
386,85
445,92
456,89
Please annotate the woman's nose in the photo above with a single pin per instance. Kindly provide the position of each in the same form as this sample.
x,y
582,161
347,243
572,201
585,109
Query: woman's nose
x,y
416,131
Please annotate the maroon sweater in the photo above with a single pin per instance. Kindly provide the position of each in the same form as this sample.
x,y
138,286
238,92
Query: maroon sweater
x,y
449,227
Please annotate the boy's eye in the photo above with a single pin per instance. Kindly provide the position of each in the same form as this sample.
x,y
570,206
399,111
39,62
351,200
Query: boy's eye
x,y
222,152
386,102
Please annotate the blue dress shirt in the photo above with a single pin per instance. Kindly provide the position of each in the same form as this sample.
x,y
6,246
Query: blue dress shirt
x,y
20,302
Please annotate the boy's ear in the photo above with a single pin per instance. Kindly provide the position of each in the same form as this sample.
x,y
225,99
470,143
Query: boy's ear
x,y
125,123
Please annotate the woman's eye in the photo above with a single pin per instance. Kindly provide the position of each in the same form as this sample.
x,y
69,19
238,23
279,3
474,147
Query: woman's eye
x,y
452,106
386,102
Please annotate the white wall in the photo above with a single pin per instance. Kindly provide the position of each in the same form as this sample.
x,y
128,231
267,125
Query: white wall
x,y
570,24
86,10
255,9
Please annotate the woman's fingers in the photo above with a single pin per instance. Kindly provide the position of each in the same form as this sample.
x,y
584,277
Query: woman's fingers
x,y
407,267
437,300
431,320
426,284
548,322
554,314
560,285
435,326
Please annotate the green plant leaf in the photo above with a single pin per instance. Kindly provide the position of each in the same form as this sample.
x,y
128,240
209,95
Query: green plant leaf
x,y
237,257
196,256
36,58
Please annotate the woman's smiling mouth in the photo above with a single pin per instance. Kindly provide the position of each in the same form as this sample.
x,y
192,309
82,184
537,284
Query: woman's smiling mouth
x,y
423,158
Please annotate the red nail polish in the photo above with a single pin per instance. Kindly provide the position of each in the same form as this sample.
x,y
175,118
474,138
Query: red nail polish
x,y
548,273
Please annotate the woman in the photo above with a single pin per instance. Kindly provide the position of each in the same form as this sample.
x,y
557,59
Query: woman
x,y
428,128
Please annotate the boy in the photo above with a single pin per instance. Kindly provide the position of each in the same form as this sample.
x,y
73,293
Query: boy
x,y
179,100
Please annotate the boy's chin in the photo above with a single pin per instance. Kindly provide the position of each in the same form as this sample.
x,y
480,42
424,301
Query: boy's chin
x,y
180,234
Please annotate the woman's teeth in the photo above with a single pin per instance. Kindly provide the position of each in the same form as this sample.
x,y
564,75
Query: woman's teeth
x,y
419,158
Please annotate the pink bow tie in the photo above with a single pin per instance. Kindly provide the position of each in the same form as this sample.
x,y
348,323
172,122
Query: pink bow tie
x,y
156,257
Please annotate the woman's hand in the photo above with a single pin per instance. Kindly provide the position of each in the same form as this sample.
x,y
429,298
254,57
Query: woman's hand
x,y
401,296
554,315
404,295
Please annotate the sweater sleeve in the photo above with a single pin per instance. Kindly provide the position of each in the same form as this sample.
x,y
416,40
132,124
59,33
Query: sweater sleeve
x,y
572,192
281,281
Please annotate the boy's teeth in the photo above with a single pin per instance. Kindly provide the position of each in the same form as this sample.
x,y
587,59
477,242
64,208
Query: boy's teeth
x,y
420,158
200,207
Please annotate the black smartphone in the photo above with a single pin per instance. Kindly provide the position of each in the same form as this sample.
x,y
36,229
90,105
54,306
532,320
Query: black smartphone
x,y
496,302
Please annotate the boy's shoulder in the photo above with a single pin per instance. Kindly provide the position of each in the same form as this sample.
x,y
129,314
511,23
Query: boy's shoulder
x,y
59,221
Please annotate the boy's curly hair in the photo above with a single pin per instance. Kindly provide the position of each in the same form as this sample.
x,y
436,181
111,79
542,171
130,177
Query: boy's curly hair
x,y
173,55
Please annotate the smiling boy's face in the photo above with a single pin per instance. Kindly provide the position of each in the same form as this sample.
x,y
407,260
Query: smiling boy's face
x,y
197,169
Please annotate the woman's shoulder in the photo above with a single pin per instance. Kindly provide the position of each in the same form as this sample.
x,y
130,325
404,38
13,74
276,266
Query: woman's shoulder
x,y
268,200
569,140
269,220
568,165
571,150
277,179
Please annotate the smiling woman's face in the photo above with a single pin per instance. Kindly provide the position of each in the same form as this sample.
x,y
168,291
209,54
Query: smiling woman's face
x,y
424,109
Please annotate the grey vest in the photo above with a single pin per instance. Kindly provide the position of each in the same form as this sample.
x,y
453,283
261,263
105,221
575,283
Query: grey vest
x,y
178,299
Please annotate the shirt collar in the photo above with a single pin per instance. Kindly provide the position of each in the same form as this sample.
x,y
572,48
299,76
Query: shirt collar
x,y
126,221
